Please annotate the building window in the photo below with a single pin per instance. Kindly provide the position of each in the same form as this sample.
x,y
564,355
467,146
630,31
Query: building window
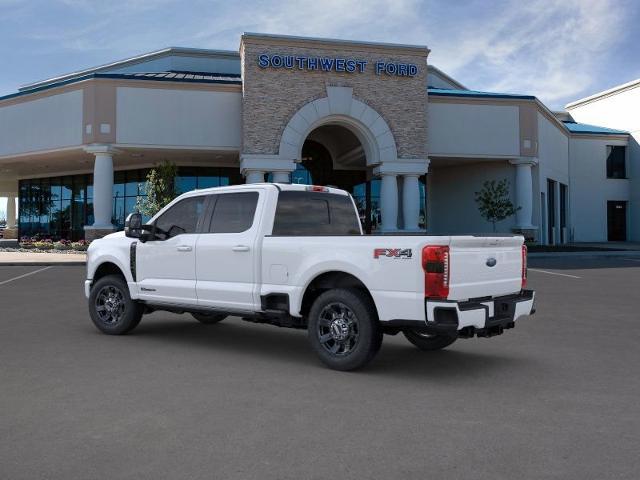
x,y
60,207
616,161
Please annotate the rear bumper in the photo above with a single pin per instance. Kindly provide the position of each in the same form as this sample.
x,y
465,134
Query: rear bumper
x,y
467,319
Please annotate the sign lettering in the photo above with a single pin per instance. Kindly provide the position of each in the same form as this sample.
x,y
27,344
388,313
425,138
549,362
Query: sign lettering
x,y
337,64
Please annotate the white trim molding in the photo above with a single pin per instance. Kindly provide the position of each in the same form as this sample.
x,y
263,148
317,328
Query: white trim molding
x,y
339,107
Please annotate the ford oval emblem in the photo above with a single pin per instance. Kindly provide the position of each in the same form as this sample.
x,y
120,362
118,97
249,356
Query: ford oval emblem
x,y
491,262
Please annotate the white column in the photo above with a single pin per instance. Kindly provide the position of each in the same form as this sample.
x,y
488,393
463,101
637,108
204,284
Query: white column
x,y
254,176
102,186
410,201
389,202
254,166
524,192
11,212
103,190
281,177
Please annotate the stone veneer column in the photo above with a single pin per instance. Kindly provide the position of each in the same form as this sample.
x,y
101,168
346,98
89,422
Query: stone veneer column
x,y
524,192
102,191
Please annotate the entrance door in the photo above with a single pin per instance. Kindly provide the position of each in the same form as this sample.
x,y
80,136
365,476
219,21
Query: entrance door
x,y
543,218
563,213
617,221
551,211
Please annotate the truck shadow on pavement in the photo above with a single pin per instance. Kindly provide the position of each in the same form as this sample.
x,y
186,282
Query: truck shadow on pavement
x,y
281,345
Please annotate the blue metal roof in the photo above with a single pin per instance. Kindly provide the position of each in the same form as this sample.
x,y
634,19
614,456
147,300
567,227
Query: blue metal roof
x,y
188,77
176,75
575,127
444,92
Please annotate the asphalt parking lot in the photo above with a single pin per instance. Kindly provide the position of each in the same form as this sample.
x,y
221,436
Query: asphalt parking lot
x,y
557,397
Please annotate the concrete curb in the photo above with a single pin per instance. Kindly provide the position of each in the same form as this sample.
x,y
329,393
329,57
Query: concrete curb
x,y
612,254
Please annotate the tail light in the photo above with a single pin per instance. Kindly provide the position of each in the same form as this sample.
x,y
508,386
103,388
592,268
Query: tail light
x,y
435,263
524,266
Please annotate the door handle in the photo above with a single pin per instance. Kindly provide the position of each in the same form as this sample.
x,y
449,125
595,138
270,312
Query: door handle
x,y
184,248
240,248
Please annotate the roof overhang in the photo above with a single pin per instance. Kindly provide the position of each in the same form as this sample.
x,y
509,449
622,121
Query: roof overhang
x,y
605,93
145,57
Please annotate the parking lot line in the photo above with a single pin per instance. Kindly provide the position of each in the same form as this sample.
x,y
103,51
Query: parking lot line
x,y
25,275
553,273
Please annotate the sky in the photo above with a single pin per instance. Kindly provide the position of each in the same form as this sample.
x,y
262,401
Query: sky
x,y
558,50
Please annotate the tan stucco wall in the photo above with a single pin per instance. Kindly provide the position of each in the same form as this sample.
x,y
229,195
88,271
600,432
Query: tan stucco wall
x,y
271,96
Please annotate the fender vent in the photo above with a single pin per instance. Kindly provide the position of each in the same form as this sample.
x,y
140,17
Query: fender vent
x,y
132,260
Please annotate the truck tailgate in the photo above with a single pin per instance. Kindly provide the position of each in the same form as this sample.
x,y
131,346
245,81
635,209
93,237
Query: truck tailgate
x,y
484,266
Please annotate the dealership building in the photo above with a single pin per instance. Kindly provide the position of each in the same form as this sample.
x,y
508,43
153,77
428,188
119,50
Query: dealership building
x,y
410,143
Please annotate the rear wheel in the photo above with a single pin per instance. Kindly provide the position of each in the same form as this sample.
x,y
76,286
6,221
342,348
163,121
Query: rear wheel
x,y
111,308
428,342
208,318
343,329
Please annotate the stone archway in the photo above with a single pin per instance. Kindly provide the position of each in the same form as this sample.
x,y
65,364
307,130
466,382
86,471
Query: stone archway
x,y
340,108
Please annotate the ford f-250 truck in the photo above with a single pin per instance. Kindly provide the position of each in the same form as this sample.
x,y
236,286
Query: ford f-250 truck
x,y
295,256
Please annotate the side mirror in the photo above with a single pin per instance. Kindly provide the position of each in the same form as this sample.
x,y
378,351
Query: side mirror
x,y
133,225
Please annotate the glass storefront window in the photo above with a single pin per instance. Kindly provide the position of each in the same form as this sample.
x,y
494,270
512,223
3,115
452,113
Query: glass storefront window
x,y
118,184
186,183
60,207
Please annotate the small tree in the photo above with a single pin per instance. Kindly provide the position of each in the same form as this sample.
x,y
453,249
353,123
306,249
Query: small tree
x,y
160,189
494,203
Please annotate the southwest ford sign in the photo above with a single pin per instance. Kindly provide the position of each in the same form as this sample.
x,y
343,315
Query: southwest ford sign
x,y
331,64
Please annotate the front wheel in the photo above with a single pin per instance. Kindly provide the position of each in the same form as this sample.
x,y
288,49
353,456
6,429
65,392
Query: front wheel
x,y
111,308
343,329
428,342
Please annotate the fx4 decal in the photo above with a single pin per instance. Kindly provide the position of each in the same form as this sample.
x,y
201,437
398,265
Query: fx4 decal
x,y
402,253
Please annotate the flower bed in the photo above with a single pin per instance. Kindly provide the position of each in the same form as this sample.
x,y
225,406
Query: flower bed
x,y
48,245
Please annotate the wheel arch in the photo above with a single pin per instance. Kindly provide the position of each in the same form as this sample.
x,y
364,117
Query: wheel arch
x,y
328,280
108,268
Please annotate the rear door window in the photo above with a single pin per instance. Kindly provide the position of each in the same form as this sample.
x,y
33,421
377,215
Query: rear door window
x,y
233,212
309,213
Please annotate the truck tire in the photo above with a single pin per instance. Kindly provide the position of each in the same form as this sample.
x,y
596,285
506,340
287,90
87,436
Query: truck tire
x,y
111,308
427,342
343,329
208,318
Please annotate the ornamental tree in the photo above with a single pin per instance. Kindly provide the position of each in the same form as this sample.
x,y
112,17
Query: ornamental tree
x,y
161,189
494,203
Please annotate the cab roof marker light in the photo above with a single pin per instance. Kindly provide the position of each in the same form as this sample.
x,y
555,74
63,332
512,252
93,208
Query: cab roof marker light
x,y
316,188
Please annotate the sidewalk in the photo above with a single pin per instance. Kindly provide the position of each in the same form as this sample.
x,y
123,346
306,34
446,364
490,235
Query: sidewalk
x,y
615,245
609,249
44,259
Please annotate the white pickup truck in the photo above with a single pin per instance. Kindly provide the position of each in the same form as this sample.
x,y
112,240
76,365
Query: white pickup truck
x,y
295,256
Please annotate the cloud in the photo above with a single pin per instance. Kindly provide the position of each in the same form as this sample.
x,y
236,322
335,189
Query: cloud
x,y
550,49
555,49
